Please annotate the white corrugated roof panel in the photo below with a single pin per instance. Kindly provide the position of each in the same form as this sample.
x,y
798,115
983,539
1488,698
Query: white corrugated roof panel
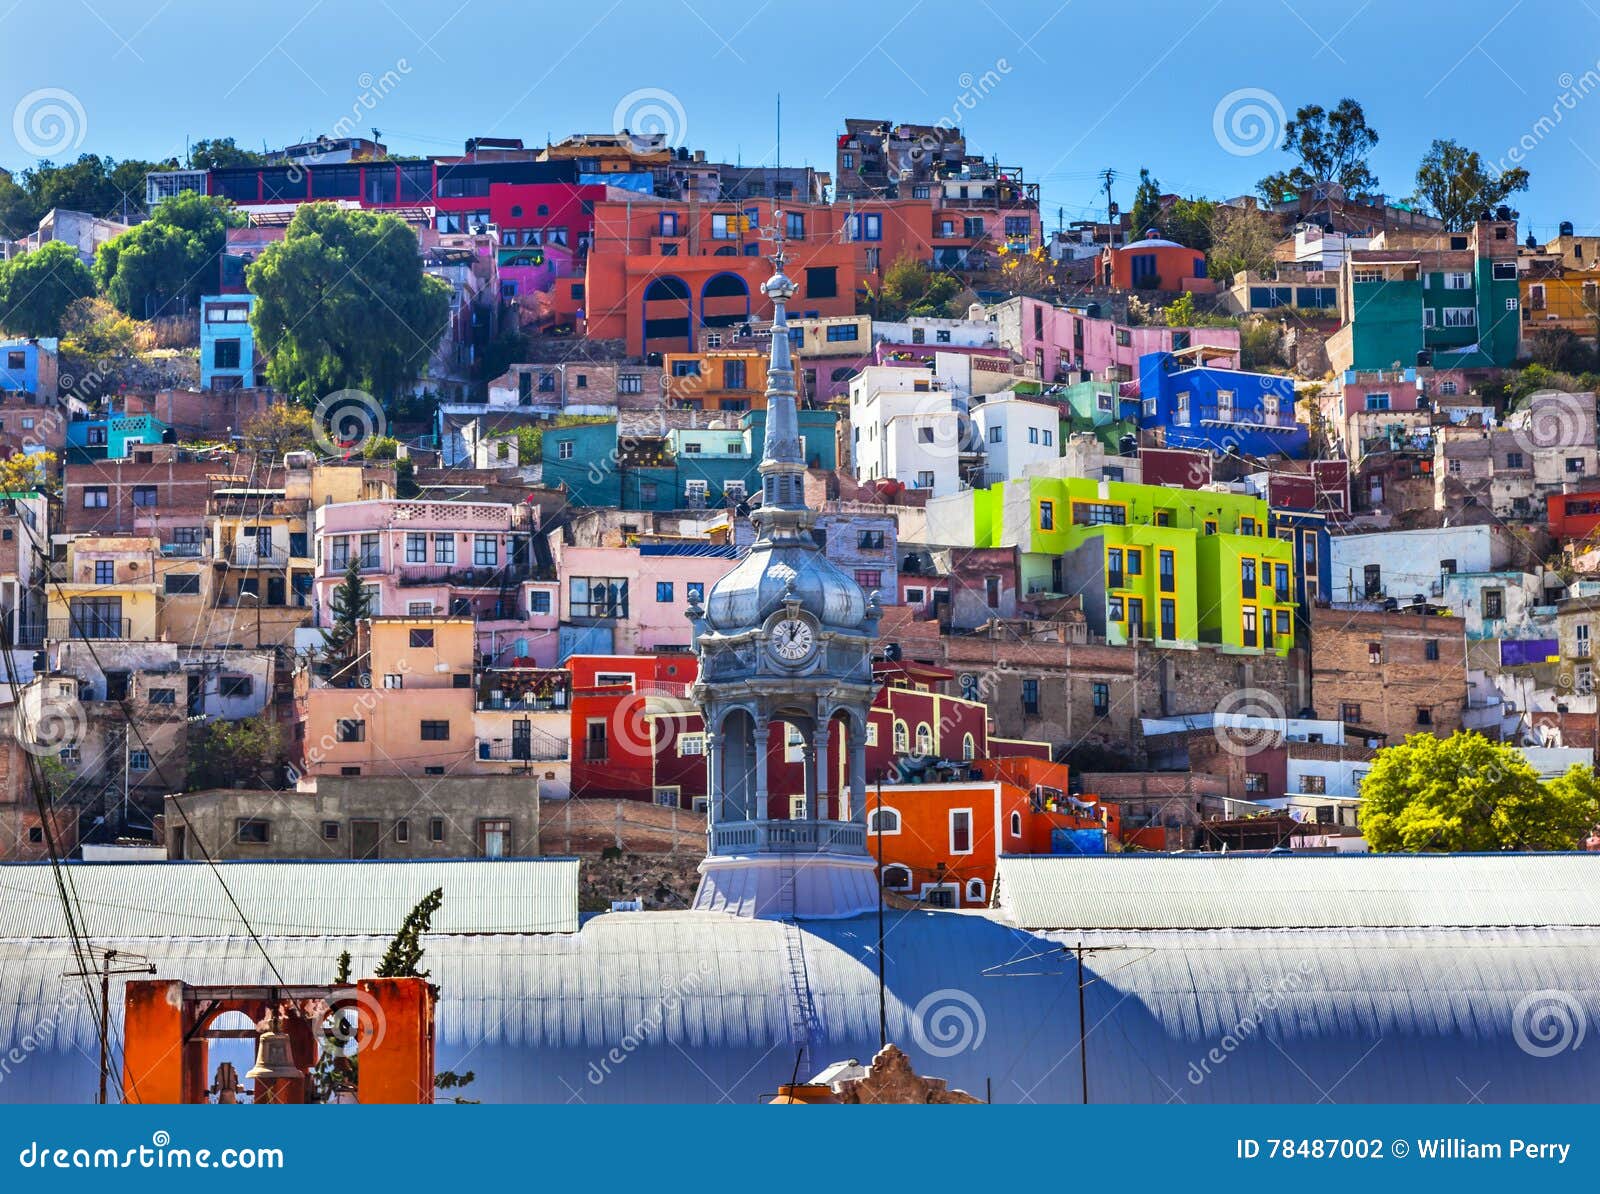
x,y
290,899
1165,891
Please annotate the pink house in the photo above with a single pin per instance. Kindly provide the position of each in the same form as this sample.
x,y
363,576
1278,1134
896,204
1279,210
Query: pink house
x,y
454,559
631,600
1375,391
1059,341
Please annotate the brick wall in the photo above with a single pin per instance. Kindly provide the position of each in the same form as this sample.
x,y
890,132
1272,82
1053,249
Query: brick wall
x,y
1380,663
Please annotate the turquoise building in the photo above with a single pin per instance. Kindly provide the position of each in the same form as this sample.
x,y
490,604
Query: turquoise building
x,y
227,342
112,436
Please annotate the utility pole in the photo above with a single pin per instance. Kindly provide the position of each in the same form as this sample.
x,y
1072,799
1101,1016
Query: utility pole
x,y
106,970
1108,175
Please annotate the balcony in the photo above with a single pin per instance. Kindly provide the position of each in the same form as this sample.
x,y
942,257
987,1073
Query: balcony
x,y
788,837
523,703
90,627
1228,416
523,750
486,576
246,554
183,551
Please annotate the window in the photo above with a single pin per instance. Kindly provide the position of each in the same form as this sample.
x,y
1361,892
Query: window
x,y
630,383
1372,580
975,893
869,578
1247,578
494,838
598,596
95,497
883,820
902,738
236,687
867,226
733,375
897,877
663,591
961,831
1100,695
420,638
996,434
924,740
105,572
1424,715
370,557
485,551
1098,514
925,479
252,831
1458,281
1033,435
330,831
1494,603
144,496
1248,625
416,548
1430,649
1314,785
924,435
969,747
869,540
394,680
435,731
1169,579
1016,823
1047,516
1169,619
1460,317
444,549
822,282
1374,653
1581,631
162,696
1350,713
349,730
1030,698
991,591
436,829
838,332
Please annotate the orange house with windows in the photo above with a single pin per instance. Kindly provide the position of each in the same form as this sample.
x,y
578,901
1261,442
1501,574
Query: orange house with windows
x,y
717,379
940,842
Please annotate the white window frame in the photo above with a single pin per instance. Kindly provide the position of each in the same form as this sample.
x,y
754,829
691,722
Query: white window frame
x,y
976,892
872,820
1460,317
691,744
1015,823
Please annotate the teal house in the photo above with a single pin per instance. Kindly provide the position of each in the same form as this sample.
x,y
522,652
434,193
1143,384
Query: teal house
x,y
112,436
685,468
1448,300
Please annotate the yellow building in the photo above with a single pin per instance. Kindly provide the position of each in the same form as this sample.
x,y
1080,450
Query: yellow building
x,y
1561,298
111,588
716,379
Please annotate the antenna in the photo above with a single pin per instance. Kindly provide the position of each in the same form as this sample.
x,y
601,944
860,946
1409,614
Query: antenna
x,y
779,162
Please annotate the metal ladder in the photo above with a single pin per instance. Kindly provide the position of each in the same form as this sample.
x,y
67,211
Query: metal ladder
x,y
805,1027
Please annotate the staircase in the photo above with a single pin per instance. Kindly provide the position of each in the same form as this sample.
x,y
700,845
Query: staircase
x,y
804,1026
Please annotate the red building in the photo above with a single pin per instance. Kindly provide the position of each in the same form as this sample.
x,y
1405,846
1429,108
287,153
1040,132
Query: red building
x,y
1573,516
1155,264
616,707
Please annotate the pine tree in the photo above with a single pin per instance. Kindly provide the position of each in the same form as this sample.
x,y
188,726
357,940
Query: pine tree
x,y
404,954
349,607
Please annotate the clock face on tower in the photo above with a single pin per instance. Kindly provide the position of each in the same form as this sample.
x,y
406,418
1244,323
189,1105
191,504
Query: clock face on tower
x,y
791,640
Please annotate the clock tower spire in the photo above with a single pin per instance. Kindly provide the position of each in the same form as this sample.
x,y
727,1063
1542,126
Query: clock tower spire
x,y
785,645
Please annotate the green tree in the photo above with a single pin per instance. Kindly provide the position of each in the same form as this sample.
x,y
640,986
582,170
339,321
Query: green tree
x,y
281,427
1146,209
343,303
1242,239
339,640
98,185
911,288
404,956
95,330
170,260
1188,222
218,153
248,749
1454,183
1331,148
27,472
1467,793
37,288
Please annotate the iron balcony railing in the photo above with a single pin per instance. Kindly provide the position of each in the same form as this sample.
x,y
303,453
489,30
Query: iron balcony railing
x,y
520,750
90,626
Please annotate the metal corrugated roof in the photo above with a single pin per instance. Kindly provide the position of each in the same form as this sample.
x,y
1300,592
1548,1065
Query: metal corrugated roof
x,y
702,1007
1164,891
290,899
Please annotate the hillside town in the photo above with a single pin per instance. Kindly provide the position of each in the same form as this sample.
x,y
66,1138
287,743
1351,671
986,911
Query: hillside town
x,y
642,541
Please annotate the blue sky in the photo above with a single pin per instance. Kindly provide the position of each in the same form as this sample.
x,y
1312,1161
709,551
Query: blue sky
x,y
1072,88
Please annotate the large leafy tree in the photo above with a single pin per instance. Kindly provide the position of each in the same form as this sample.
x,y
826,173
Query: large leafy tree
x,y
343,303
1331,149
1242,238
169,260
1467,793
911,288
101,186
37,288
217,153
1454,183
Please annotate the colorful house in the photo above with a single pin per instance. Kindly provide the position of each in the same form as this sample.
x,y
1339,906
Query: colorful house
x,y
1064,343
29,367
1193,404
227,342
1446,299
1153,563
111,437
1154,264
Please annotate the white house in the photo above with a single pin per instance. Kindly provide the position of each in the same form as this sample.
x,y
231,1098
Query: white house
x,y
1402,564
1016,434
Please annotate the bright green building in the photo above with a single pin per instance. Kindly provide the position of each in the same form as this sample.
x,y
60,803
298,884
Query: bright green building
x,y
1152,563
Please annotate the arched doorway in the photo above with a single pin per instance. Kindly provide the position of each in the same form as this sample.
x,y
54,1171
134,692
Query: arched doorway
x,y
724,301
668,315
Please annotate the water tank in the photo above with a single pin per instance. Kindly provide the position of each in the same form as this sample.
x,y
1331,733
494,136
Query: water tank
x,y
1565,228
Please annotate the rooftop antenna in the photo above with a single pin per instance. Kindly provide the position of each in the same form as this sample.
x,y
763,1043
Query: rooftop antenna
x,y
779,162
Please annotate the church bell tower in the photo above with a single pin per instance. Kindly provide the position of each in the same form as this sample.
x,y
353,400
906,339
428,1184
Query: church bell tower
x,y
785,640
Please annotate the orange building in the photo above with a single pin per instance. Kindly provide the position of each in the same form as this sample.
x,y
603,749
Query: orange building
x,y
717,379
1155,264
660,270
940,842
409,707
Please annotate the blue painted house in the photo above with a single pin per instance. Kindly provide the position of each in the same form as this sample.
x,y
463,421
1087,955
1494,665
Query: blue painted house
x,y
28,366
1220,410
227,343
112,436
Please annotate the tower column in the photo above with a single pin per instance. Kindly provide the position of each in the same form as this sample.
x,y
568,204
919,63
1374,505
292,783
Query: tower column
x,y
808,765
858,771
763,735
820,754
714,797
